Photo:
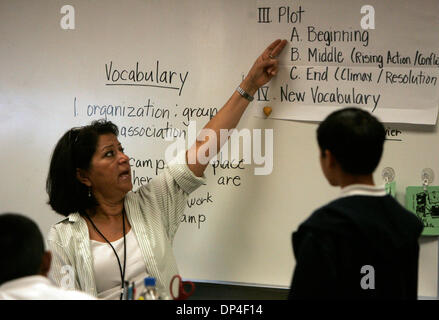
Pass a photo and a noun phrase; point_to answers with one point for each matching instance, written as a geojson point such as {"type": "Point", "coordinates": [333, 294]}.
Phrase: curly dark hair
{"type": "Point", "coordinates": [74, 150]}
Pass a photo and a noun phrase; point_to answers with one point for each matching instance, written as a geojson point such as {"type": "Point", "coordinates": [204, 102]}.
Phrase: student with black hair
{"type": "Point", "coordinates": [363, 245]}
{"type": "Point", "coordinates": [25, 263]}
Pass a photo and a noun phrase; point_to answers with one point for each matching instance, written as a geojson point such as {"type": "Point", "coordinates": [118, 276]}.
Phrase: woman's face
{"type": "Point", "coordinates": [110, 172]}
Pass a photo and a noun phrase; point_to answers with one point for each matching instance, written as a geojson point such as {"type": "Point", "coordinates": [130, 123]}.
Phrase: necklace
{"type": "Point", "coordinates": [122, 273]}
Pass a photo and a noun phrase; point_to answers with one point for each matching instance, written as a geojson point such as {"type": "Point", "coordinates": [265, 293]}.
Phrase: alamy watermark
{"type": "Point", "coordinates": [67, 21]}
{"type": "Point", "coordinates": [368, 280]}
{"type": "Point", "coordinates": [256, 147]}
{"type": "Point", "coordinates": [68, 280]}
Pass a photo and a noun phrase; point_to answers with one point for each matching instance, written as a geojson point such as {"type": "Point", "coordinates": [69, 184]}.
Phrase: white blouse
{"type": "Point", "coordinates": [106, 267]}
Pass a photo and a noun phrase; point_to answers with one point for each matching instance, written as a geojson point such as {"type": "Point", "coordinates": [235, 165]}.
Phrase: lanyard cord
{"type": "Point", "coordinates": [122, 274]}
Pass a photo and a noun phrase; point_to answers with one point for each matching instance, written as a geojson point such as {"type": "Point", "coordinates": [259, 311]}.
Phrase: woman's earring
{"type": "Point", "coordinates": [89, 192]}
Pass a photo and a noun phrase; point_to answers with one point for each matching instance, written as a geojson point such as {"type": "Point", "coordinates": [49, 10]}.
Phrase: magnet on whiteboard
{"type": "Point", "coordinates": [267, 111]}
{"type": "Point", "coordinates": [388, 174]}
{"type": "Point", "coordinates": [427, 177]}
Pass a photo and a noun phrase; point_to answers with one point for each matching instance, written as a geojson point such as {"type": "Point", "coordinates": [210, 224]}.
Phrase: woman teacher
{"type": "Point", "coordinates": [111, 235]}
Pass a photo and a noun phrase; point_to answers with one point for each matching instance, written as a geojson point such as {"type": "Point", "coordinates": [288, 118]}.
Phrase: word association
{"type": "Point", "coordinates": [155, 77]}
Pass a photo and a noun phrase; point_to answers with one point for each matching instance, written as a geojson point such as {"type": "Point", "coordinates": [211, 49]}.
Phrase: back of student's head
{"type": "Point", "coordinates": [21, 247]}
{"type": "Point", "coordinates": [355, 138]}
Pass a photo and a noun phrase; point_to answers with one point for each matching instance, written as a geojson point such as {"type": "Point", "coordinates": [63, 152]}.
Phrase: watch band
{"type": "Point", "coordinates": [244, 94]}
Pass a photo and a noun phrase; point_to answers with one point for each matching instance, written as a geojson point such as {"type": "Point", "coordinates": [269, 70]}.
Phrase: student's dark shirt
{"type": "Point", "coordinates": [333, 245]}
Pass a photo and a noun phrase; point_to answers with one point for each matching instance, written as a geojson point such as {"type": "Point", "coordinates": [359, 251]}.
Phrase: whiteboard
{"type": "Point", "coordinates": [53, 79]}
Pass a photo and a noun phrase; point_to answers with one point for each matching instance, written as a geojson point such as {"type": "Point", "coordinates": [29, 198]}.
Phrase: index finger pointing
{"type": "Point", "coordinates": [278, 47]}
{"type": "Point", "coordinates": [267, 52]}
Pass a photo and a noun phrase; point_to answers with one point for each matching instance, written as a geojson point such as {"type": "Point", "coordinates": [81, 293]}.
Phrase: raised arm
{"type": "Point", "coordinates": [262, 71]}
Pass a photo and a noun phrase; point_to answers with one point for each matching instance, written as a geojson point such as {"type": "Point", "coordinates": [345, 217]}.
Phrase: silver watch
{"type": "Point", "coordinates": [244, 94]}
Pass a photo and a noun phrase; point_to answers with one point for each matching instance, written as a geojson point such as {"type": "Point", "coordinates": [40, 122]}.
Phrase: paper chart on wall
{"type": "Point", "coordinates": [377, 58]}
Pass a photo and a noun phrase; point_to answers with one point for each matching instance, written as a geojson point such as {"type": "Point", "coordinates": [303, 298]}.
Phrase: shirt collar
{"type": "Point", "coordinates": [363, 190]}
{"type": "Point", "coordinates": [74, 217]}
{"type": "Point", "coordinates": [25, 282]}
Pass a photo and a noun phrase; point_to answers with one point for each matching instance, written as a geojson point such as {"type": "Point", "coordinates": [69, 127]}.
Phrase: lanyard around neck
{"type": "Point", "coordinates": [122, 272]}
